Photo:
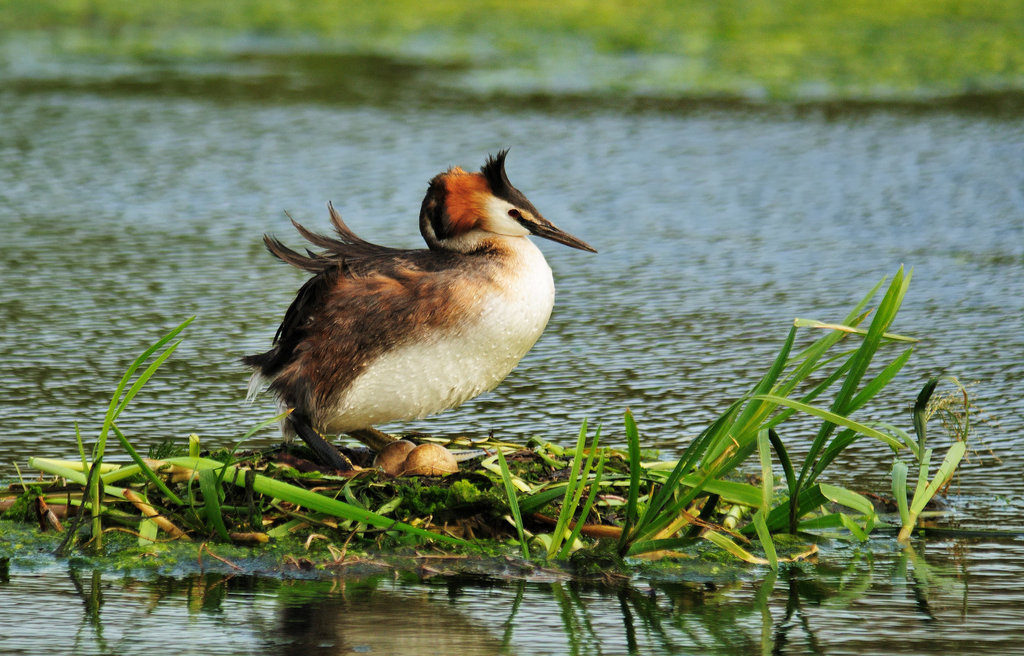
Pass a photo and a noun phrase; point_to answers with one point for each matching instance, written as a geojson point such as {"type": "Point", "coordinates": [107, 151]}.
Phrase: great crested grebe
{"type": "Point", "coordinates": [384, 334]}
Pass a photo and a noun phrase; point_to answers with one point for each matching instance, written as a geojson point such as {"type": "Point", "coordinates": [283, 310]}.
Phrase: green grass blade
{"type": "Point", "coordinates": [693, 452]}
{"type": "Point", "coordinates": [855, 529]}
{"type": "Point", "coordinates": [144, 468]}
{"type": "Point", "coordinates": [811, 323]}
{"type": "Point", "coordinates": [263, 424]}
{"type": "Point", "coordinates": [810, 355]}
{"type": "Point", "coordinates": [594, 487]}
{"type": "Point", "coordinates": [809, 499]}
{"type": "Point", "coordinates": [633, 496]}
{"type": "Point", "coordinates": [57, 468]}
{"type": "Point", "coordinates": [142, 379]}
{"type": "Point", "coordinates": [834, 418]}
{"type": "Point", "coordinates": [311, 500]}
{"type": "Point", "coordinates": [742, 436]}
{"type": "Point", "coordinates": [81, 448]}
{"type": "Point", "coordinates": [787, 464]}
{"type": "Point", "coordinates": [752, 414]}
{"type": "Point", "coordinates": [835, 447]}
{"type": "Point", "coordinates": [730, 491]}
{"type": "Point", "coordinates": [116, 406]}
{"type": "Point", "coordinates": [767, 543]}
{"type": "Point", "coordinates": [848, 498]}
{"type": "Point", "coordinates": [767, 478]}
{"type": "Point", "coordinates": [148, 530]}
{"type": "Point", "coordinates": [910, 443]}
{"type": "Point", "coordinates": [921, 411]}
{"type": "Point", "coordinates": [568, 507]}
{"type": "Point", "coordinates": [536, 501]}
{"type": "Point", "coordinates": [513, 504]}
{"type": "Point", "coordinates": [922, 478]}
{"type": "Point", "coordinates": [814, 393]}
{"type": "Point", "coordinates": [899, 489]}
{"type": "Point", "coordinates": [859, 361]}
{"type": "Point", "coordinates": [942, 476]}
{"type": "Point", "coordinates": [924, 492]}
{"type": "Point", "coordinates": [209, 485]}
{"type": "Point", "coordinates": [733, 548]}
{"type": "Point", "coordinates": [876, 384]}
{"type": "Point", "coordinates": [668, 512]}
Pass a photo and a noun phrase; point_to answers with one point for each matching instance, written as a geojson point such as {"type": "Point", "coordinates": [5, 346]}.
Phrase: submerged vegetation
{"type": "Point", "coordinates": [586, 504]}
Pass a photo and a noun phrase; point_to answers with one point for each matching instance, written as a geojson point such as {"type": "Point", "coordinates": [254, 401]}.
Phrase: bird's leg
{"type": "Point", "coordinates": [372, 438]}
{"type": "Point", "coordinates": [326, 453]}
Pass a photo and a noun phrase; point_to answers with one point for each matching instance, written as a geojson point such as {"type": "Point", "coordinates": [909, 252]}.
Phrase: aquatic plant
{"type": "Point", "coordinates": [601, 499]}
{"type": "Point", "coordinates": [700, 478]}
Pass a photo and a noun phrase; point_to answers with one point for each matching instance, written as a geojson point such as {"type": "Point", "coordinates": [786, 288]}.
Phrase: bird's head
{"type": "Point", "coordinates": [464, 211]}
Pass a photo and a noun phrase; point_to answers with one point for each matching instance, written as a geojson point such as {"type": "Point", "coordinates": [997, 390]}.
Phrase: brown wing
{"type": "Point", "coordinates": [362, 300]}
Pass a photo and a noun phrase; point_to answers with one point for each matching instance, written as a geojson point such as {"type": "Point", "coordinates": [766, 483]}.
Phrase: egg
{"type": "Point", "coordinates": [430, 460]}
{"type": "Point", "coordinates": [392, 457]}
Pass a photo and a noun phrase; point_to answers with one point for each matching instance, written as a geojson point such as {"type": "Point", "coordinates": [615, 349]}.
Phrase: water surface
{"type": "Point", "coordinates": [960, 596]}
{"type": "Point", "coordinates": [132, 199]}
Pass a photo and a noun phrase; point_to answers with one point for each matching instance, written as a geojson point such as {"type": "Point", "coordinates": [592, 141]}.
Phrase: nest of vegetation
{"type": "Point", "coordinates": [543, 501]}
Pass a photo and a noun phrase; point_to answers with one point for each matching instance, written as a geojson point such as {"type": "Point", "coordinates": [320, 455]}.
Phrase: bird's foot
{"type": "Point", "coordinates": [373, 438]}
{"type": "Point", "coordinates": [325, 452]}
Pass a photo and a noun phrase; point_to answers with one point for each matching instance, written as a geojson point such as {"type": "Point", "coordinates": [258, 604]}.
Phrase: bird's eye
{"type": "Point", "coordinates": [515, 214]}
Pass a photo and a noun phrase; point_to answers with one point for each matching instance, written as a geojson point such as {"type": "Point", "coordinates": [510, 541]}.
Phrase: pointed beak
{"type": "Point", "coordinates": [544, 228]}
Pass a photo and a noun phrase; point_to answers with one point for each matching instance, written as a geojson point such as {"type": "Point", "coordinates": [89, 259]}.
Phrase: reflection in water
{"type": "Point", "coordinates": [359, 617]}
{"type": "Point", "coordinates": [859, 602]}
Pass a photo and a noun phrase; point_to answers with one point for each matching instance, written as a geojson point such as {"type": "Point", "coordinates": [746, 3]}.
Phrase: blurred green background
{"type": "Point", "coordinates": [874, 50]}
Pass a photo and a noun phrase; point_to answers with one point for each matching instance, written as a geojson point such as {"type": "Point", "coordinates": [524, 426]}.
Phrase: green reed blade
{"type": "Point", "coordinates": [148, 531]}
{"type": "Point", "coordinates": [594, 487]}
{"type": "Point", "coordinates": [117, 405]}
{"type": "Point", "coordinates": [646, 546]}
{"type": "Point", "coordinates": [633, 497]}
{"type": "Point", "coordinates": [209, 485]}
{"type": "Point", "coordinates": [736, 550]}
{"type": "Point", "coordinates": [838, 444]}
{"type": "Point", "coordinates": [59, 468]}
{"type": "Point", "coordinates": [310, 500]}
{"type": "Point", "coordinates": [814, 393]}
{"type": "Point", "coordinates": [765, 537]}
{"type": "Point", "coordinates": [654, 511]}
{"type": "Point", "coordinates": [853, 527]}
{"type": "Point", "coordinates": [783, 455]}
{"type": "Point", "coordinates": [755, 411]}
{"type": "Point", "coordinates": [535, 501]}
{"type": "Point", "coordinates": [859, 361]}
{"type": "Point", "coordinates": [899, 489]}
{"type": "Point", "coordinates": [875, 385]}
{"type": "Point", "coordinates": [767, 478]}
{"type": "Point", "coordinates": [922, 478]}
{"type": "Point", "coordinates": [811, 323]}
{"type": "Point", "coordinates": [834, 418]}
{"type": "Point", "coordinates": [143, 467]}
{"type": "Point", "coordinates": [513, 504]}
{"type": "Point", "coordinates": [942, 476]}
{"type": "Point", "coordinates": [568, 507]}
{"type": "Point", "coordinates": [810, 498]}
{"type": "Point", "coordinates": [925, 490]}
{"type": "Point", "coordinates": [920, 414]}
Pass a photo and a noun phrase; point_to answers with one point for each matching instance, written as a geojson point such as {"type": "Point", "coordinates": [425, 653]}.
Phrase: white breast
{"type": "Point", "coordinates": [442, 369]}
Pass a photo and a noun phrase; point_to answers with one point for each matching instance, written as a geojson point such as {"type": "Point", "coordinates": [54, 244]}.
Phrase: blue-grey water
{"type": "Point", "coordinates": [133, 197]}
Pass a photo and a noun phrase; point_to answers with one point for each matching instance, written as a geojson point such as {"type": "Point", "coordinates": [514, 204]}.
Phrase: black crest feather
{"type": "Point", "coordinates": [494, 171]}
